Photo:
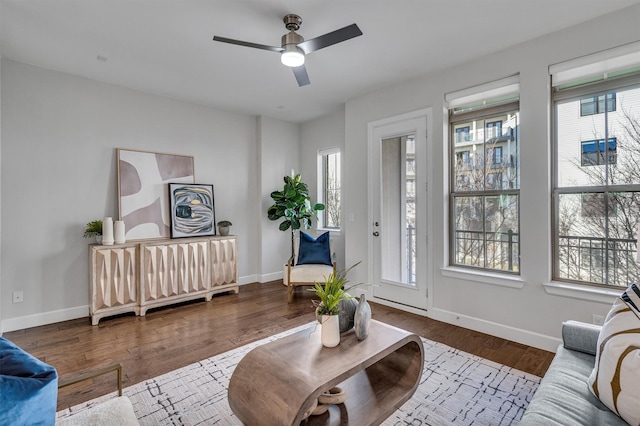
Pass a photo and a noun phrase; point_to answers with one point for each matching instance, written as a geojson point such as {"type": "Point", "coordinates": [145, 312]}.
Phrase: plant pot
{"type": "Point", "coordinates": [99, 239]}
{"type": "Point", "coordinates": [330, 333]}
{"type": "Point", "coordinates": [224, 230]}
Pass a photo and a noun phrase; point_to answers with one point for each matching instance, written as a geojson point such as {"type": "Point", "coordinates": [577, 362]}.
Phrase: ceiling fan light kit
{"type": "Point", "coordinates": [294, 47]}
{"type": "Point", "coordinates": [292, 56]}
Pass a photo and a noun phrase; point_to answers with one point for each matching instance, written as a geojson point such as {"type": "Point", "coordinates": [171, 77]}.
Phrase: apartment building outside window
{"type": "Point", "coordinates": [596, 196]}
{"type": "Point", "coordinates": [329, 177]}
{"type": "Point", "coordinates": [485, 180]}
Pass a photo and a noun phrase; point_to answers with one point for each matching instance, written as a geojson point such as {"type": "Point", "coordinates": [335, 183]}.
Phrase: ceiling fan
{"type": "Point", "coordinates": [294, 46]}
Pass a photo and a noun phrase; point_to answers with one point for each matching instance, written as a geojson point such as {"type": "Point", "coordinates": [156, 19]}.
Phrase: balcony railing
{"type": "Point", "coordinates": [589, 259]}
{"type": "Point", "coordinates": [598, 260]}
{"type": "Point", "coordinates": [492, 250]}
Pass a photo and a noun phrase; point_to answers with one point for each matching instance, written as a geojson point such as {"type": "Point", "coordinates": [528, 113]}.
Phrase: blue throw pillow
{"type": "Point", "coordinates": [314, 250]}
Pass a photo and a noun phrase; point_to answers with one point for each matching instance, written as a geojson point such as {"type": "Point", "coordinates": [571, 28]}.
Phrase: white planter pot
{"type": "Point", "coordinates": [330, 333]}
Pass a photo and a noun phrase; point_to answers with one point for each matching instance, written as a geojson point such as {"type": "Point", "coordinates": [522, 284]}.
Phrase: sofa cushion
{"type": "Point", "coordinates": [28, 388]}
{"type": "Point", "coordinates": [616, 374]}
{"type": "Point", "coordinates": [314, 250]}
{"type": "Point", "coordinates": [310, 273]}
{"type": "Point", "coordinates": [563, 397]}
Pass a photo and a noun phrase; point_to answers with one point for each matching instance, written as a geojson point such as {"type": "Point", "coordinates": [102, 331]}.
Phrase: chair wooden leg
{"type": "Point", "coordinates": [289, 293]}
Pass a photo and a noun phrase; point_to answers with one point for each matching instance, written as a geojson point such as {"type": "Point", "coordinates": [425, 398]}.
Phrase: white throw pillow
{"type": "Point", "coordinates": [616, 375]}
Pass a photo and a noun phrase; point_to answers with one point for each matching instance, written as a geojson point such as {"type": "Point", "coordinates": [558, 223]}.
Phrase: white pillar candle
{"type": "Point", "coordinates": [118, 231]}
{"type": "Point", "coordinates": [107, 231]}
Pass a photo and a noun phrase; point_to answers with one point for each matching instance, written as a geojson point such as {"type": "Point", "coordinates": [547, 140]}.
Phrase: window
{"type": "Point", "coordinates": [329, 188]}
{"type": "Point", "coordinates": [497, 155]}
{"type": "Point", "coordinates": [494, 129]}
{"type": "Point", "coordinates": [594, 154]}
{"type": "Point", "coordinates": [485, 182]}
{"type": "Point", "coordinates": [462, 134]}
{"type": "Point", "coordinates": [595, 104]}
{"type": "Point", "coordinates": [596, 200]}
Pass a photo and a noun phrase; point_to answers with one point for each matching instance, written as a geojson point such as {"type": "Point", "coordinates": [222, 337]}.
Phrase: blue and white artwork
{"type": "Point", "coordinates": [192, 210]}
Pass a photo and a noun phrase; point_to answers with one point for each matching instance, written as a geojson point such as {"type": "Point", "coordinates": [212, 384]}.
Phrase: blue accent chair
{"type": "Point", "coordinates": [28, 388]}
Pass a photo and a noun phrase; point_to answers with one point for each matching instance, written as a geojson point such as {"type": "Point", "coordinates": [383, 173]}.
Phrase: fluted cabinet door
{"type": "Point", "coordinates": [114, 280]}
{"type": "Point", "coordinates": [224, 263]}
{"type": "Point", "coordinates": [174, 269]}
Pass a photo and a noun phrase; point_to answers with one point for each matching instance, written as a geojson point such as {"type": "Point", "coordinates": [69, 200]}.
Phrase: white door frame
{"type": "Point", "coordinates": [424, 205]}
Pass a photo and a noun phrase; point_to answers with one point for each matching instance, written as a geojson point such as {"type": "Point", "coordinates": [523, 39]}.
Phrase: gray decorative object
{"type": "Point", "coordinates": [347, 314]}
{"type": "Point", "coordinates": [362, 318]}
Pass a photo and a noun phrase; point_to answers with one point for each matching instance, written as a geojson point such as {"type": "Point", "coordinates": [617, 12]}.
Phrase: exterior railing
{"type": "Point", "coordinates": [411, 254]}
{"type": "Point", "coordinates": [492, 250]}
{"type": "Point", "coordinates": [598, 260]}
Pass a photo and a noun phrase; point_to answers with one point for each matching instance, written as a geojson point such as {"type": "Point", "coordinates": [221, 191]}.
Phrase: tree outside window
{"type": "Point", "coordinates": [330, 176]}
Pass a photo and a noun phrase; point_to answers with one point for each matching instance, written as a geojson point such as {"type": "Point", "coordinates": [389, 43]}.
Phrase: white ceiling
{"type": "Point", "coordinates": [165, 46]}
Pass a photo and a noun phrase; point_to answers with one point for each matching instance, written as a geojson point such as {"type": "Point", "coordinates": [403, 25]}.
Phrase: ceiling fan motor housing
{"type": "Point", "coordinates": [291, 38]}
{"type": "Point", "coordinates": [292, 22]}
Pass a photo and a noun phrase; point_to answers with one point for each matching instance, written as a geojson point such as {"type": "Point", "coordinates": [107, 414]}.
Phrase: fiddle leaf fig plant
{"type": "Point", "coordinates": [293, 206]}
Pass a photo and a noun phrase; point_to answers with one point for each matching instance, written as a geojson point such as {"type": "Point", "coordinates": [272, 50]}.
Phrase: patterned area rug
{"type": "Point", "coordinates": [456, 388]}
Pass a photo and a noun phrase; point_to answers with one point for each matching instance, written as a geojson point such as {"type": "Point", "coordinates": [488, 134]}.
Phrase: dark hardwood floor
{"type": "Point", "coordinates": [172, 337]}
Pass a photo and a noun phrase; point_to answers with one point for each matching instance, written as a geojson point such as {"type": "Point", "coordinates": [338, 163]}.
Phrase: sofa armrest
{"type": "Point", "coordinates": [580, 336]}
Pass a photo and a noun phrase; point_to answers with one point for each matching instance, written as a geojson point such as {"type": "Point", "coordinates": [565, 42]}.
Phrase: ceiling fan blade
{"type": "Point", "coordinates": [248, 44]}
{"type": "Point", "coordinates": [301, 75]}
{"type": "Point", "coordinates": [331, 38]}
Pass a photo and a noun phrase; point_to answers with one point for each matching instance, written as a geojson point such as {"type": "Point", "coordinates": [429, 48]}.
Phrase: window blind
{"type": "Point", "coordinates": [484, 95]}
{"type": "Point", "coordinates": [611, 63]}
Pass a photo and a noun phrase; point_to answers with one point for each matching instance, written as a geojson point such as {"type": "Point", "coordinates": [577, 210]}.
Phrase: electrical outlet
{"type": "Point", "coordinates": [18, 296]}
{"type": "Point", "coordinates": [597, 319]}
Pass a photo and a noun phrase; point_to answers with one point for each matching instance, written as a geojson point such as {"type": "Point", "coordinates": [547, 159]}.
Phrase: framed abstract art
{"type": "Point", "coordinates": [192, 210]}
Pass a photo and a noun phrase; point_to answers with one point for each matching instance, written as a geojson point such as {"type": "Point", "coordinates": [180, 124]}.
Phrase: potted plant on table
{"type": "Point", "coordinates": [334, 298]}
{"type": "Point", "coordinates": [94, 229]}
{"type": "Point", "coordinates": [223, 227]}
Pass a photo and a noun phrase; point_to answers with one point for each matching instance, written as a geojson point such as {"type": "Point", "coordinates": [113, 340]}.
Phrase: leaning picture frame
{"type": "Point", "coordinates": [192, 210]}
{"type": "Point", "coordinates": [142, 190]}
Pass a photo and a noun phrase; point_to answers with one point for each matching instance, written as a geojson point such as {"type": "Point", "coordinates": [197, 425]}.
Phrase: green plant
{"type": "Point", "coordinates": [332, 291]}
{"type": "Point", "coordinates": [93, 229]}
{"type": "Point", "coordinates": [224, 223]}
{"type": "Point", "coordinates": [293, 205]}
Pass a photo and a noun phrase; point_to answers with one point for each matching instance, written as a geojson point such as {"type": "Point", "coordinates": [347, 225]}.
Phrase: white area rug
{"type": "Point", "coordinates": [456, 388]}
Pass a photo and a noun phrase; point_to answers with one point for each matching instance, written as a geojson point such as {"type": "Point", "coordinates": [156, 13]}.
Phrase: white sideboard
{"type": "Point", "coordinates": [137, 276]}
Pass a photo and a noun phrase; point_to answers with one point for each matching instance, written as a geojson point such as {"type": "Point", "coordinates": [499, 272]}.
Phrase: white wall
{"type": "Point", "coordinates": [521, 310]}
{"type": "Point", "coordinates": [1, 329]}
{"type": "Point", "coordinates": [322, 133]}
{"type": "Point", "coordinates": [279, 154]}
{"type": "Point", "coordinates": [58, 171]}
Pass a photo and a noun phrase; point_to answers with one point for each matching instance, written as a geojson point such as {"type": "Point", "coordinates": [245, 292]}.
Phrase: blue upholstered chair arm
{"type": "Point", "coordinates": [28, 388]}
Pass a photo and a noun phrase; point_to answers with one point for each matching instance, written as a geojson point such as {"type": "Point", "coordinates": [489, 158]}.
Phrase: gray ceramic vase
{"type": "Point", "coordinates": [347, 313]}
{"type": "Point", "coordinates": [362, 318]}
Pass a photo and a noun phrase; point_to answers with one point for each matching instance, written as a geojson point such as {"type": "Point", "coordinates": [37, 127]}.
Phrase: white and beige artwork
{"type": "Point", "coordinates": [143, 179]}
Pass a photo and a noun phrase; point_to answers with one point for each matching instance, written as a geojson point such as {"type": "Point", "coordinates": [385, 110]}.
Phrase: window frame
{"type": "Point", "coordinates": [561, 94]}
{"type": "Point", "coordinates": [470, 116]}
{"type": "Point", "coordinates": [323, 155]}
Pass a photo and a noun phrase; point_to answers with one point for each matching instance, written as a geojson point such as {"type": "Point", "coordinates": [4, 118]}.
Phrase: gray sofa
{"type": "Point", "coordinates": [563, 397]}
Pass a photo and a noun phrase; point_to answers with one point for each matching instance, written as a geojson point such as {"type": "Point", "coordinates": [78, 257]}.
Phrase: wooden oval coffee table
{"type": "Point", "coordinates": [276, 383]}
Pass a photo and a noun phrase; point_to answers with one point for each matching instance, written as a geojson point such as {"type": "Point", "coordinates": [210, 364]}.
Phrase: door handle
{"type": "Point", "coordinates": [375, 234]}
